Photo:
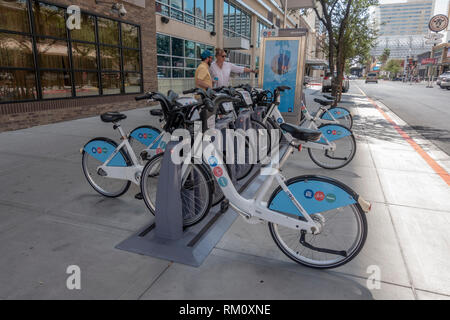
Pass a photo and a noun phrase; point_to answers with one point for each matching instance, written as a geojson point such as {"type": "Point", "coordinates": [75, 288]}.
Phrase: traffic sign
{"type": "Point", "coordinates": [438, 23]}
{"type": "Point", "coordinates": [433, 42]}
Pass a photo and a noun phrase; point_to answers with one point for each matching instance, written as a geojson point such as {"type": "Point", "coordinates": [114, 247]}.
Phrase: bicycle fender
{"type": "Point", "coordinates": [333, 132]}
{"type": "Point", "coordinates": [336, 112]}
{"type": "Point", "coordinates": [314, 195]}
{"type": "Point", "coordinates": [146, 136]}
{"type": "Point", "coordinates": [102, 149]}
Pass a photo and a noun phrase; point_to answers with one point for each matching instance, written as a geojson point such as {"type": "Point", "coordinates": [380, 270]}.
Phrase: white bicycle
{"type": "Point", "coordinates": [316, 221]}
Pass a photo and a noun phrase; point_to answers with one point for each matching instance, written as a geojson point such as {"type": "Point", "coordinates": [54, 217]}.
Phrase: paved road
{"type": "Point", "coordinates": [427, 110]}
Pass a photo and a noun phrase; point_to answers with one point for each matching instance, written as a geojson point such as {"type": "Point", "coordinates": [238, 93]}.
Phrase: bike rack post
{"type": "Point", "coordinates": [169, 213]}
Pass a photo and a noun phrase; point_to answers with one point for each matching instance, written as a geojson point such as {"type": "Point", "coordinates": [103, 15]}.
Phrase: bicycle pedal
{"type": "Point", "coordinates": [224, 205]}
{"type": "Point", "coordinates": [139, 196]}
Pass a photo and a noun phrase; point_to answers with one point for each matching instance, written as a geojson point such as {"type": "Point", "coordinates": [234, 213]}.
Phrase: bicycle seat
{"type": "Point", "coordinates": [112, 116]}
{"type": "Point", "coordinates": [301, 133]}
{"type": "Point", "coordinates": [156, 112]}
{"type": "Point", "coordinates": [327, 96]}
{"type": "Point", "coordinates": [324, 102]}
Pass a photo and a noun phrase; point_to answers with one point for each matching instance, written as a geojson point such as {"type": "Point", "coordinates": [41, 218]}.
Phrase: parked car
{"type": "Point", "coordinates": [327, 80]}
{"type": "Point", "coordinates": [445, 82]}
{"type": "Point", "coordinates": [372, 77]}
{"type": "Point", "coordinates": [439, 79]}
{"type": "Point", "coordinates": [353, 77]}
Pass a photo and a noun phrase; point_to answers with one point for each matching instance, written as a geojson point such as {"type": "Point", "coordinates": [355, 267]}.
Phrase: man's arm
{"type": "Point", "coordinates": [237, 69]}
{"type": "Point", "coordinates": [202, 84]}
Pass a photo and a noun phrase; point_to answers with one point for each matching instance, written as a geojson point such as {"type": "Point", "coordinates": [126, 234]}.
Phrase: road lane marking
{"type": "Point", "coordinates": [429, 160]}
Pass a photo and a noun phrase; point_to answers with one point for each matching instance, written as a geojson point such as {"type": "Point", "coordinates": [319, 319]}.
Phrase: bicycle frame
{"type": "Point", "coordinates": [256, 209]}
{"type": "Point", "coordinates": [131, 173]}
{"type": "Point", "coordinates": [275, 114]}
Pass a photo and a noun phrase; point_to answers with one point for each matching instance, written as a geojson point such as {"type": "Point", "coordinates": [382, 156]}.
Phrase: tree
{"type": "Point", "coordinates": [385, 56]}
{"type": "Point", "coordinates": [393, 66]}
{"type": "Point", "coordinates": [350, 34]}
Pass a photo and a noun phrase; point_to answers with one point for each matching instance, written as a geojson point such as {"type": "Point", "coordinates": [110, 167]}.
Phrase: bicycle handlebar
{"type": "Point", "coordinates": [144, 97]}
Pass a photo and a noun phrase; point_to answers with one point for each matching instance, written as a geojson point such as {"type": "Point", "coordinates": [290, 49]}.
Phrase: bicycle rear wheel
{"type": "Point", "coordinates": [196, 191]}
{"type": "Point", "coordinates": [342, 116]}
{"type": "Point", "coordinates": [140, 138]}
{"type": "Point", "coordinates": [95, 153]}
{"type": "Point", "coordinates": [344, 226]}
{"type": "Point", "coordinates": [341, 156]}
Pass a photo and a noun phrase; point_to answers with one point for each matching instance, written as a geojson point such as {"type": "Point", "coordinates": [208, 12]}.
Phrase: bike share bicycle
{"type": "Point", "coordinates": [316, 221]}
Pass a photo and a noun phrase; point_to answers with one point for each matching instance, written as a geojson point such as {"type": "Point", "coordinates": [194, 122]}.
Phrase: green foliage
{"type": "Point", "coordinates": [393, 66]}
{"type": "Point", "coordinates": [385, 56]}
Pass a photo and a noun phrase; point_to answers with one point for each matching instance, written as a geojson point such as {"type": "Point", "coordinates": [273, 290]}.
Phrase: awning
{"type": "Point", "coordinates": [298, 4]}
{"type": "Point", "coordinates": [320, 62]}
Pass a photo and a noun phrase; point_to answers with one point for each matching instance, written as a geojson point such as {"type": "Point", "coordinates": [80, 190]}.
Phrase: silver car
{"type": "Point", "coordinates": [445, 82]}
{"type": "Point", "coordinates": [445, 75]}
{"type": "Point", "coordinates": [327, 79]}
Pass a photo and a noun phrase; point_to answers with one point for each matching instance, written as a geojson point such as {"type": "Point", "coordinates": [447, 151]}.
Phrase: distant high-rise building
{"type": "Point", "coordinates": [408, 18]}
{"type": "Point", "coordinates": [403, 26]}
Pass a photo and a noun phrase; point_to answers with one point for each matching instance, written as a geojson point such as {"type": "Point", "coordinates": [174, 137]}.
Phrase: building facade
{"type": "Point", "coordinates": [50, 72]}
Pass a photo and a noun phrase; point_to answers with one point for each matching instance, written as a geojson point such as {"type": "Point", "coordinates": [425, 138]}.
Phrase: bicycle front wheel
{"type": "Point", "coordinates": [196, 191]}
{"type": "Point", "coordinates": [344, 228]}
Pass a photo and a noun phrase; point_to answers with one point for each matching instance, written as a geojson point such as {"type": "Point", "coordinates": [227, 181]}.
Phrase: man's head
{"type": "Point", "coordinates": [221, 55]}
{"type": "Point", "coordinates": [207, 57]}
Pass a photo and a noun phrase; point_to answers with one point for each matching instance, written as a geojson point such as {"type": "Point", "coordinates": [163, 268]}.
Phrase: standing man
{"type": "Point", "coordinates": [221, 70]}
{"type": "Point", "coordinates": [202, 76]}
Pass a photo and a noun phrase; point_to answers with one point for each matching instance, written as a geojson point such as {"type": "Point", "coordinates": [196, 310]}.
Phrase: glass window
{"type": "Point", "coordinates": [226, 15]}
{"type": "Point", "coordinates": [14, 16]}
{"type": "Point", "coordinates": [110, 58]}
{"type": "Point", "coordinates": [178, 62]}
{"type": "Point", "coordinates": [17, 85]}
{"type": "Point", "coordinates": [177, 73]}
{"type": "Point", "coordinates": [86, 84]}
{"type": "Point", "coordinates": [49, 20]}
{"type": "Point", "coordinates": [189, 49]}
{"type": "Point", "coordinates": [189, 6]}
{"type": "Point", "coordinates": [52, 54]}
{"type": "Point", "coordinates": [163, 44]}
{"type": "Point", "coordinates": [108, 31]}
{"type": "Point", "coordinates": [209, 10]}
{"type": "Point", "coordinates": [190, 73]}
{"type": "Point", "coordinates": [133, 82]}
{"type": "Point", "coordinates": [87, 31]}
{"type": "Point", "coordinates": [191, 63]}
{"type": "Point", "coordinates": [56, 85]}
{"type": "Point", "coordinates": [200, 8]}
{"type": "Point", "coordinates": [16, 51]}
{"type": "Point", "coordinates": [131, 60]}
{"type": "Point", "coordinates": [111, 83]}
{"type": "Point", "coordinates": [176, 14]}
{"type": "Point", "coordinates": [164, 73]}
{"type": "Point", "coordinates": [130, 37]}
{"type": "Point", "coordinates": [84, 56]}
{"type": "Point", "coordinates": [164, 61]}
{"type": "Point", "coordinates": [67, 65]}
{"type": "Point", "coordinates": [177, 47]}
{"type": "Point", "coordinates": [177, 4]}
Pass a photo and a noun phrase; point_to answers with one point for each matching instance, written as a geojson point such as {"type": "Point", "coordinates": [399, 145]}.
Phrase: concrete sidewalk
{"type": "Point", "coordinates": [51, 218]}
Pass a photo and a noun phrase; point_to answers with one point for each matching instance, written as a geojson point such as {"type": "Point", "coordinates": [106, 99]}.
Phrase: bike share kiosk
{"type": "Point", "coordinates": [282, 63]}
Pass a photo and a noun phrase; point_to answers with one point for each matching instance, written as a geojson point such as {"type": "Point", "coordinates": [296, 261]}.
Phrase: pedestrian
{"type": "Point", "coordinates": [202, 76]}
{"type": "Point", "coordinates": [221, 70]}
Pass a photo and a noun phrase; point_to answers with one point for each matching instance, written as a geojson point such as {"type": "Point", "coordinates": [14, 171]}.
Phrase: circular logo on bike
{"type": "Point", "coordinates": [218, 172]}
{"type": "Point", "coordinates": [145, 136]}
{"type": "Point", "coordinates": [334, 132]}
{"type": "Point", "coordinates": [99, 150]}
{"type": "Point", "coordinates": [308, 194]}
{"type": "Point", "coordinates": [212, 161]}
{"type": "Point", "coordinates": [319, 196]}
{"type": "Point", "coordinates": [159, 150]}
{"type": "Point", "coordinates": [94, 150]}
{"type": "Point", "coordinates": [330, 198]}
{"type": "Point", "coordinates": [280, 120]}
{"type": "Point", "coordinates": [329, 131]}
{"type": "Point", "coordinates": [105, 150]}
{"type": "Point", "coordinates": [140, 135]}
{"type": "Point", "coordinates": [223, 182]}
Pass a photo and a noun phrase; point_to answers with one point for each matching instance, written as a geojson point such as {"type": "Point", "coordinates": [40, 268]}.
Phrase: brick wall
{"type": "Point", "coordinates": [21, 115]}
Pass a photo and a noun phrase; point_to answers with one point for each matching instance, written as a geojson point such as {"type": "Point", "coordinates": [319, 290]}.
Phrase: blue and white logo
{"type": "Point", "coordinates": [308, 194]}
{"type": "Point", "coordinates": [212, 161]}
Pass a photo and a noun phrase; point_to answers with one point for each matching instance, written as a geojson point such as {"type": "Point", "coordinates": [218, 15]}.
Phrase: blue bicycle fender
{"type": "Point", "coordinates": [102, 150]}
{"type": "Point", "coordinates": [146, 136]}
{"type": "Point", "coordinates": [333, 132]}
{"type": "Point", "coordinates": [314, 197]}
{"type": "Point", "coordinates": [336, 112]}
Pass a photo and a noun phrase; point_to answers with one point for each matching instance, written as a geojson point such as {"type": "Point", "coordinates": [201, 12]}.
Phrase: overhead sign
{"type": "Point", "coordinates": [428, 61]}
{"type": "Point", "coordinates": [438, 23]}
{"type": "Point", "coordinates": [433, 36]}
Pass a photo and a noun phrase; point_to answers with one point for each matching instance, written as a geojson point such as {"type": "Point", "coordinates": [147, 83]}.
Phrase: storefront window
{"type": "Point", "coordinates": [194, 12]}
{"type": "Point", "coordinates": [68, 63]}
{"type": "Point", "coordinates": [178, 58]}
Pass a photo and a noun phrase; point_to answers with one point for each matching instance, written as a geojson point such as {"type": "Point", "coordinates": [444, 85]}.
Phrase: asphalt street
{"type": "Point", "coordinates": [426, 110]}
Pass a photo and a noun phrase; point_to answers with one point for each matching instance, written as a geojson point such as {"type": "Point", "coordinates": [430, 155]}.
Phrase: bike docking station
{"type": "Point", "coordinates": [165, 237]}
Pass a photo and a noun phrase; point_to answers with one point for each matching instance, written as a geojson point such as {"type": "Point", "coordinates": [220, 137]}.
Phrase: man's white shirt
{"type": "Point", "coordinates": [223, 74]}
